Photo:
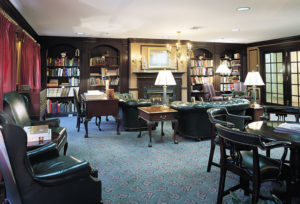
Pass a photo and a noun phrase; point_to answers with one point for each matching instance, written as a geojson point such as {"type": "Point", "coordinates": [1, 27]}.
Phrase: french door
{"type": "Point", "coordinates": [282, 77]}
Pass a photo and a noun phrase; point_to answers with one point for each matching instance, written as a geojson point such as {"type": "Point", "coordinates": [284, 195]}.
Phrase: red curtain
{"type": "Point", "coordinates": [30, 63]}
{"type": "Point", "coordinates": [8, 57]}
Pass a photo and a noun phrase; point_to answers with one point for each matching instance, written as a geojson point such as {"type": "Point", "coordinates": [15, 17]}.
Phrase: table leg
{"type": "Point", "coordinates": [86, 127]}
{"type": "Point", "coordinates": [99, 123]}
{"type": "Point", "coordinates": [149, 125]}
{"type": "Point", "coordinates": [140, 126]}
{"type": "Point", "coordinates": [175, 125]}
{"type": "Point", "coordinates": [118, 124]}
{"type": "Point", "coordinates": [162, 128]}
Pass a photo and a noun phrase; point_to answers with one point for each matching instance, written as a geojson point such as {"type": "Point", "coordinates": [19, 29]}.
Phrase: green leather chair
{"type": "Point", "coordinates": [16, 108]}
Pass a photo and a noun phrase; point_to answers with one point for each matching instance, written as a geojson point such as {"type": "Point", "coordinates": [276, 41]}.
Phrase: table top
{"type": "Point", "coordinates": [266, 130]}
{"type": "Point", "coordinates": [157, 109]}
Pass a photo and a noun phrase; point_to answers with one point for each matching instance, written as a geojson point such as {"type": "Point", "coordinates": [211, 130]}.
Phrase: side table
{"type": "Point", "coordinates": [255, 113]}
{"type": "Point", "coordinates": [154, 114]}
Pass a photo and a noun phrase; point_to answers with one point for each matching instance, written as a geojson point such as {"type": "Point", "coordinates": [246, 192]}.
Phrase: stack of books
{"type": "Point", "coordinates": [292, 128]}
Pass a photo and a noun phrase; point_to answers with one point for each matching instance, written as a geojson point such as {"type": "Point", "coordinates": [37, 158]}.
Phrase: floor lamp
{"type": "Point", "coordinates": [254, 79]}
{"type": "Point", "coordinates": [165, 78]}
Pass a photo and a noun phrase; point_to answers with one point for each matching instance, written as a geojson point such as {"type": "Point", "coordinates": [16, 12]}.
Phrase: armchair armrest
{"type": "Point", "coordinates": [275, 144]}
{"type": "Point", "coordinates": [60, 170]}
{"type": "Point", "coordinates": [224, 123]}
{"type": "Point", "coordinates": [51, 122]}
{"type": "Point", "coordinates": [45, 152]}
{"type": "Point", "coordinates": [243, 117]}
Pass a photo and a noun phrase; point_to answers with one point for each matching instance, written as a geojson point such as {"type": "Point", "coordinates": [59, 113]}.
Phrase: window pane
{"type": "Point", "coordinates": [294, 101]}
{"type": "Point", "coordinates": [280, 99]}
{"type": "Point", "coordinates": [274, 98]}
{"type": "Point", "coordinates": [268, 69]}
{"type": "Point", "coordinates": [268, 98]}
{"type": "Point", "coordinates": [294, 89]}
{"type": "Point", "coordinates": [298, 55]}
{"type": "Point", "coordinates": [280, 88]}
{"type": "Point", "coordinates": [298, 67]}
{"type": "Point", "coordinates": [274, 78]}
{"type": "Point", "coordinates": [273, 67]}
{"type": "Point", "coordinates": [268, 87]}
{"type": "Point", "coordinates": [279, 57]}
{"type": "Point", "coordinates": [294, 79]}
{"type": "Point", "coordinates": [274, 88]}
{"type": "Point", "coordinates": [267, 58]}
{"type": "Point", "coordinates": [273, 57]}
{"type": "Point", "coordinates": [279, 78]}
{"type": "Point", "coordinates": [293, 56]}
{"type": "Point", "coordinates": [294, 67]}
{"type": "Point", "coordinates": [268, 77]}
{"type": "Point", "coordinates": [279, 67]}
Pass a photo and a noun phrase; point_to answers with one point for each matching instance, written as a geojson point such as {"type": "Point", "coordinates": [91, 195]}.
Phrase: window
{"type": "Point", "coordinates": [295, 77]}
{"type": "Point", "coordinates": [274, 78]}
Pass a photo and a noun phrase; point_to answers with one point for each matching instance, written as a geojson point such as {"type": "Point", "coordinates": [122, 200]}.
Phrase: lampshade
{"type": "Point", "coordinates": [254, 79]}
{"type": "Point", "coordinates": [165, 77]}
{"type": "Point", "coordinates": [223, 69]}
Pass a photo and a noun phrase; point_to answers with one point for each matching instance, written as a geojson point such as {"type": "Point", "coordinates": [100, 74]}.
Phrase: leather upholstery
{"type": "Point", "coordinates": [60, 180]}
{"type": "Point", "coordinates": [193, 118]}
{"type": "Point", "coordinates": [15, 107]}
{"type": "Point", "coordinates": [129, 111]}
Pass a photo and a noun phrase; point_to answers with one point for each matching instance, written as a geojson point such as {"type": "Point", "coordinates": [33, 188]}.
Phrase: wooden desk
{"type": "Point", "coordinates": [154, 114]}
{"type": "Point", "coordinates": [98, 108]}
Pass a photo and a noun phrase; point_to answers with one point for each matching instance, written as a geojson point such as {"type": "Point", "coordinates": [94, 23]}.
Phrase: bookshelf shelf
{"type": "Point", "coordinates": [63, 75]}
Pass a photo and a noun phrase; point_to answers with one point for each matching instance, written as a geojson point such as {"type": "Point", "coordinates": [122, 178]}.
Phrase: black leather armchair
{"type": "Point", "coordinates": [15, 107]}
{"type": "Point", "coordinates": [60, 180]}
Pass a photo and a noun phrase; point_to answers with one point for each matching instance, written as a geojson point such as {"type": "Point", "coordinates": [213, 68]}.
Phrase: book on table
{"type": "Point", "coordinates": [34, 133]}
{"type": "Point", "coordinates": [288, 128]}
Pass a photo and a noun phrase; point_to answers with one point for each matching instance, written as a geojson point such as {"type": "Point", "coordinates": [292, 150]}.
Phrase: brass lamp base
{"type": "Point", "coordinates": [254, 105]}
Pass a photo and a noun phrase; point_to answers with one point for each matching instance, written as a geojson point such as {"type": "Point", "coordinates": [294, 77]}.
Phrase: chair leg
{"type": "Point", "coordinates": [255, 193]}
{"type": "Point", "coordinates": [78, 123]}
{"type": "Point", "coordinates": [245, 186]}
{"type": "Point", "coordinates": [211, 155]}
{"type": "Point", "coordinates": [221, 185]}
{"type": "Point", "coordinates": [268, 153]}
{"type": "Point", "coordinates": [65, 148]}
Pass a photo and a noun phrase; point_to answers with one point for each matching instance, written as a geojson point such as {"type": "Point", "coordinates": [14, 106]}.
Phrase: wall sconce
{"type": "Point", "coordinates": [136, 60]}
{"type": "Point", "coordinates": [188, 50]}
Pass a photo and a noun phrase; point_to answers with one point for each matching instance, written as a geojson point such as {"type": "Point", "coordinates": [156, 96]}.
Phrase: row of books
{"type": "Point", "coordinates": [202, 80]}
{"type": "Point", "coordinates": [201, 71]}
{"type": "Point", "coordinates": [58, 107]}
{"type": "Point", "coordinates": [94, 61]}
{"type": "Point", "coordinates": [61, 92]}
{"type": "Point", "coordinates": [202, 63]}
{"type": "Point", "coordinates": [63, 61]}
{"type": "Point", "coordinates": [229, 79]}
{"type": "Point", "coordinates": [73, 81]}
{"type": "Point", "coordinates": [226, 87]}
{"type": "Point", "coordinates": [107, 72]}
{"type": "Point", "coordinates": [59, 72]}
{"type": "Point", "coordinates": [100, 81]}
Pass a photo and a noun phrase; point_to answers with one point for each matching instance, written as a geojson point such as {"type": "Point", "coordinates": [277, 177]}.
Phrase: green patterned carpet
{"type": "Point", "coordinates": [133, 173]}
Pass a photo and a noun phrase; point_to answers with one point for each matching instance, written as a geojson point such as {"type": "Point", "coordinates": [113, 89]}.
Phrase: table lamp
{"type": "Point", "coordinates": [223, 69]}
{"type": "Point", "coordinates": [254, 79]}
{"type": "Point", "coordinates": [165, 78]}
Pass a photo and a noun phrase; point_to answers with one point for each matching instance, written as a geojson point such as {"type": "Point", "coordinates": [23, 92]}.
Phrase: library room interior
{"type": "Point", "coordinates": [163, 102]}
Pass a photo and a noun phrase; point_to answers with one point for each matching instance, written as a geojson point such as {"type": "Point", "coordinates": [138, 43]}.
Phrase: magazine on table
{"type": "Point", "coordinates": [34, 133]}
{"type": "Point", "coordinates": [288, 128]}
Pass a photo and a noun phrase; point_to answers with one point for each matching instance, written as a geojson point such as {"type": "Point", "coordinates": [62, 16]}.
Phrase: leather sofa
{"type": "Point", "coordinates": [129, 111]}
{"type": "Point", "coordinates": [193, 119]}
{"type": "Point", "coordinates": [15, 106]}
{"type": "Point", "coordinates": [58, 180]}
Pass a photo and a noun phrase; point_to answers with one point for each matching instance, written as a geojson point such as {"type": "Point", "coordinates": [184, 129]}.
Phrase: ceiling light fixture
{"type": "Point", "coordinates": [243, 9]}
{"type": "Point", "coordinates": [196, 28]}
{"type": "Point", "coordinates": [235, 29]}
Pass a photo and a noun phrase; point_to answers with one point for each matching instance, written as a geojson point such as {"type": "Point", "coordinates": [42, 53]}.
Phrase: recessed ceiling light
{"type": "Point", "coordinates": [196, 28]}
{"type": "Point", "coordinates": [80, 33]}
{"type": "Point", "coordinates": [243, 9]}
{"type": "Point", "coordinates": [235, 29]}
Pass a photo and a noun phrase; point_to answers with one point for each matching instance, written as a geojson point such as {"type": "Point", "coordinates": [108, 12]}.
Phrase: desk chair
{"type": "Point", "coordinates": [245, 162]}
{"type": "Point", "coordinates": [210, 94]}
{"type": "Point", "coordinates": [221, 116]}
{"type": "Point", "coordinates": [79, 111]}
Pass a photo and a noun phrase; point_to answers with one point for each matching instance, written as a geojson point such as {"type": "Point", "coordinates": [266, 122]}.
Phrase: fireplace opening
{"type": "Point", "coordinates": [155, 94]}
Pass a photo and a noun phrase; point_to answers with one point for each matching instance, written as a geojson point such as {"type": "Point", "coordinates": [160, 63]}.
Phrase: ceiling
{"type": "Point", "coordinates": [161, 19]}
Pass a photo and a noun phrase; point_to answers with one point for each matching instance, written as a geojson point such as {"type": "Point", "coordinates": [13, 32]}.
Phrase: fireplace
{"type": "Point", "coordinates": [147, 89]}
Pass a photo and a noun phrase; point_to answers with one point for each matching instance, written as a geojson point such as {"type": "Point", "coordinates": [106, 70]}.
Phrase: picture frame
{"type": "Point", "coordinates": [158, 57]}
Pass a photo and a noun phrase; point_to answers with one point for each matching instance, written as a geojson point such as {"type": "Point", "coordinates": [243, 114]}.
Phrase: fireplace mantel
{"type": "Point", "coordinates": [147, 79]}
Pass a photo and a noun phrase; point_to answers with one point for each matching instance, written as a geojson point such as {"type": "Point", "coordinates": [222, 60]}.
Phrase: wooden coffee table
{"type": "Point", "coordinates": [154, 114]}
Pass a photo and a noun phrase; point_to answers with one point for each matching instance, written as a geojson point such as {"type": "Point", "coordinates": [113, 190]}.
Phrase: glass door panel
{"type": "Point", "coordinates": [274, 78]}
{"type": "Point", "coordinates": [295, 77]}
